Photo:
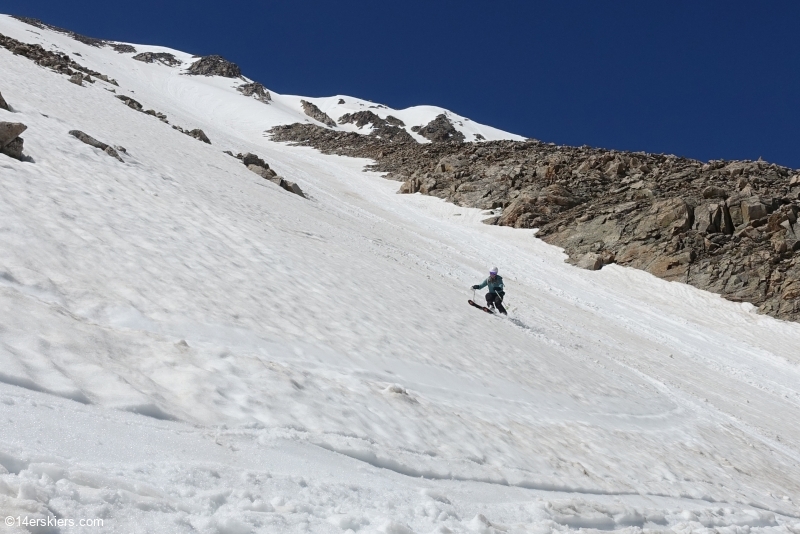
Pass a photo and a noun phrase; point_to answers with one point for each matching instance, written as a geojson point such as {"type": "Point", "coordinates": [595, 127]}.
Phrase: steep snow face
{"type": "Point", "coordinates": [187, 347]}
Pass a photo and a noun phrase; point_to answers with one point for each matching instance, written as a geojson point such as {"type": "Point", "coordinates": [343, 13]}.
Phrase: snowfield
{"type": "Point", "coordinates": [186, 347]}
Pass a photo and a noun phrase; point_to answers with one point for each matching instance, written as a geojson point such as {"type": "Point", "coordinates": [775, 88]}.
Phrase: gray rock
{"type": "Point", "coordinates": [13, 148]}
{"type": "Point", "coordinates": [753, 209]}
{"type": "Point", "coordinates": [215, 66]}
{"type": "Point", "coordinates": [164, 58]}
{"type": "Point", "coordinates": [197, 133]}
{"type": "Point", "coordinates": [10, 131]}
{"type": "Point", "coordinates": [3, 104]}
{"type": "Point", "coordinates": [317, 114]}
{"type": "Point", "coordinates": [130, 102]}
{"type": "Point", "coordinates": [251, 159]}
{"type": "Point", "coordinates": [91, 141]}
{"type": "Point", "coordinates": [256, 90]}
{"type": "Point", "coordinates": [264, 172]}
{"type": "Point", "coordinates": [123, 48]}
{"type": "Point", "coordinates": [77, 79]}
{"type": "Point", "coordinates": [713, 191]}
{"type": "Point", "coordinates": [440, 130]}
{"type": "Point", "coordinates": [590, 261]}
{"type": "Point", "coordinates": [292, 188]}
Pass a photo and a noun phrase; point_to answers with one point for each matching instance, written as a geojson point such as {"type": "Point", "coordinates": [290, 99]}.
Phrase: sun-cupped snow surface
{"type": "Point", "coordinates": [186, 347]}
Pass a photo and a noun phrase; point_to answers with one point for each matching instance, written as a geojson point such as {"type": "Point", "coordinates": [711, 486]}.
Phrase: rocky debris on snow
{"type": "Point", "coordinates": [3, 103]}
{"type": "Point", "coordinates": [56, 61]}
{"type": "Point", "coordinates": [388, 129]}
{"type": "Point", "coordinates": [136, 106]}
{"type": "Point", "coordinates": [123, 48]}
{"type": "Point", "coordinates": [91, 41]}
{"type": "Point", "coordinates": [317, 114]}
{"type": "Point", "coordinates": [214, 66]}
{"type": "Point", "coordinates": [164, 58]}
{"type": "Point", "coordinates": [260, 167]}
{"type": "Point", "coordinates": [11, 143]}
{"type": "Point", "coordinates": [79, 78]}
{"type": "Point", "coordinates": [439, 130]}
{"type": "Point", "coordinates": [394, 121]}
{"type": "Point", "coordinates": [157, 114]}
{"type": "Point", "coordinates": [91, 141]}
{"type": "Point", "coordinates": [197, 133]}
{"type": "Point", "coordinates": [724, 226]}
{"type": "Point", "coordinates": [256, 90]}
{"type": "Point", "coordinates": [341, 101]}
{"type": "Point", "coordinates": [130, 102]}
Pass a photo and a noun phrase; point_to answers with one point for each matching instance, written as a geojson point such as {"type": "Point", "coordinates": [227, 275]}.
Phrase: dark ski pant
{"type": "Point", "coordinates": [493, 299]}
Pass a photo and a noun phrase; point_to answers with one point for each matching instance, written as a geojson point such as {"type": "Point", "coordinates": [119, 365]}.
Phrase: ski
{"type": "Point", "coordinates": [484, 308]}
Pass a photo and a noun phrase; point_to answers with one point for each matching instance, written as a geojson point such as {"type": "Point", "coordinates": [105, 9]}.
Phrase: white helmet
{"type": "Point", "coordinates": [493, 270]}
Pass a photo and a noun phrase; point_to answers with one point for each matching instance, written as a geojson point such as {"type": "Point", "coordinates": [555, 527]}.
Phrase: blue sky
{"type": "Point", "coordinates": [704, 79]}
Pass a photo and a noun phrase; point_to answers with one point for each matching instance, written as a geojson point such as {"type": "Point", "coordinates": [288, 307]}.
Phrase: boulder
{"type": "Point", "coordinates": [590, 261]}
{"type": "Point", "coordinates": [251, 159]}
{"type": "Point", "coordinates": [713, 191]}
{"type": "Point", "coordinates": [13, 148]}
{"type": "Point", "coordinates": [197, 133]}
{"type": "Point", "coordinates": [708, 218]}
{"type": "Point", "coordinates": [3, 104]}
{"type": "Point", "coordinates": [91, 141]}
{"type": "Point", "coordinates": [214, 66]}
{"type": "Point", "coordinates": [753, 209]}
{"type": "Point", "coordinates": [451, 164]}
{"type": "Point", "coordinates": [77, 79]}
{"type": "Point", "coordinates": [10, 131]}
{"type": "Point", "coordinates": [264, 172]}
{"type": "Point", "coordinates": [292, 188]}
{"type": "Point", "coordinates": [130, 102]}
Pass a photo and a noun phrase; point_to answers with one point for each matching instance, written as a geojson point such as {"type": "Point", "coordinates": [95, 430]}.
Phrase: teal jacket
{"type": "Point", "coordinates": [495, 286]}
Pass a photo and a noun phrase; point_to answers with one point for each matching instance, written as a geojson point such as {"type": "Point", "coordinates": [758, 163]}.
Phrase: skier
{"type": "Point", "coordinates": [496, 293]}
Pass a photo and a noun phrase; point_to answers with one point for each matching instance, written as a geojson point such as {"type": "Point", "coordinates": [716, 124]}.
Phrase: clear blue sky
{"type": "Point", "coordinates": [704, 79]}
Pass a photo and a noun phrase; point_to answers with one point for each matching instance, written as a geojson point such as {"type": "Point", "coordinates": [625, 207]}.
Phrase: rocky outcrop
{"type": "Point", "coordinates": [730, 227]}
{"type": "Point", "coordinates": [3, 103]}
{"type": "Point", "coordinates": [388, 129]}
{"type": "Point", "coordinates": [11, 143]}
{"type": "Point", "coordinates": [440, 130]}
{"type": "Point", "coordinates": [130, 102]}
{"type": "Point", "coordinates": [123, 48]}
{"type": "Point", "coordinates": [197, 133]}
{"type": "Point", "coordinates": [91, 141]}
{"type": "Point", "coordinates": [214, 66]}
{"type": "Point", "coordinates": [158, 57]}
{"type": "Point", "coordinates": [260, 167]}
{"type": "Point", "coordinates": [56, 61]}
{"type": "Point", "coordinates": [317, 114]}
{"type": "Point", "coordinates": [256, 90]}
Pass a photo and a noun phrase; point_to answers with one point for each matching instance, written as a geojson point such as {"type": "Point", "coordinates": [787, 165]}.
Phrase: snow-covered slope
{"type": "Point", "coordinates": [185, 346]}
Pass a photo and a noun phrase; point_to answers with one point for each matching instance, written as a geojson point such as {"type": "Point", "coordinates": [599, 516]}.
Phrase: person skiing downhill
{"type": "Point", "coordinates": [496, 292]}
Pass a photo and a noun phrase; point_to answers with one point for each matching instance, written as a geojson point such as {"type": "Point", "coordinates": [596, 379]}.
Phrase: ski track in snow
{"type": "Point", "coordinates": [185, 347]}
